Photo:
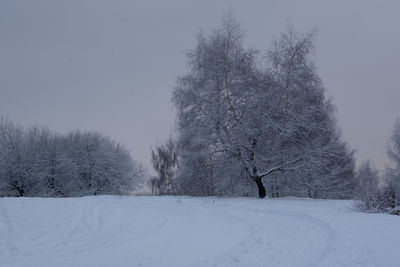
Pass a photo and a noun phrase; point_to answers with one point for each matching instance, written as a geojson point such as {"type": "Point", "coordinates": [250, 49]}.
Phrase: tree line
{"type": "Point", "coordinates": [38, 162]}
{"type": "Point", "coordinates": [248, 124]}
{"type": "Point", "coordinates": [380, 192]}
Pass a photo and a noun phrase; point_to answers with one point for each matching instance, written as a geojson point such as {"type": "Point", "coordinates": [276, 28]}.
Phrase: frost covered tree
{"type": "Point", "coordinates": [101, 166]}
{"type": "Point", "coordinates": [15, 178]}
{"type": "Point", "coordinates": [392, 191]}
{"type": "Point", "coordinates": [211, 103]}
{"type": "Point", "coordinates": [307, 123]}
{"type": "Point", "coordinates": [240, 121]}
{"type": "Point", "coordinates": [164, 161]}
{"type": "Point", "coordinates": [386, 197]}
{"type": "Point", "coordinates": [394, 155]}
{"type": "Point", "coordinates": [367, 186]}
{"type": "Point", "coordinates": [42, 156]}
{"type": "Point", "coordinates": [367, 178]}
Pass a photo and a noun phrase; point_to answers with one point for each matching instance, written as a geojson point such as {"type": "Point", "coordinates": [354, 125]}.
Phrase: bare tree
{"type": "Point", "coordinates": [164, 161]}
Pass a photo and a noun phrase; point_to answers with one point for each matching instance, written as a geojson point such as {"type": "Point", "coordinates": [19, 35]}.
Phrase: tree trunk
{"type": "Point", "coordinates": [260, 186]}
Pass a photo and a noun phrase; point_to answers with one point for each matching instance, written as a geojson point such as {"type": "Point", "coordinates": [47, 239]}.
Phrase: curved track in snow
{"type": "Point", "coordinates": [183, 231]}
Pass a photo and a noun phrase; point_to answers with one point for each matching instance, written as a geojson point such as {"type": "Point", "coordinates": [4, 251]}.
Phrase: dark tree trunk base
{"type": "Point", "coordinates": [261, 188]}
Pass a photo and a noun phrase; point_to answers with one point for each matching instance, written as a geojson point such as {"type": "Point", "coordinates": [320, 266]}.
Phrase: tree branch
{"type": "Point", "coordinates": [278, 168]}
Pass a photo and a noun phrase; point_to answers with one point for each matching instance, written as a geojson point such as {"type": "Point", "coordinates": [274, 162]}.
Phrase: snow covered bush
{"type": "Point", "coordinates": [37, 162]}
{"type": "Point", "coordinates": [386, 200]}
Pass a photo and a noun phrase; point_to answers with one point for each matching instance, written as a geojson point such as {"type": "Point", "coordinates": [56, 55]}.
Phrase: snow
{"type": "Point", "coordinates": [184, 231]}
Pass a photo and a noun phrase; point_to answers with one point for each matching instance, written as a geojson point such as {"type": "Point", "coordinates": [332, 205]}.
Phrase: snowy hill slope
{"type": "Point", "coordinates": [183, 231]}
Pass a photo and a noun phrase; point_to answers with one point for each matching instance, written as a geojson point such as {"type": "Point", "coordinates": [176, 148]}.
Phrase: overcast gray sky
{"type": "Point", "coordinates": [110, 65]}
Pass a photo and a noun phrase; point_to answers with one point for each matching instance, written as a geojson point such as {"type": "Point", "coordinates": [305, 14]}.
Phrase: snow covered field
{"type": "Point", "coordinates": [183, 231]}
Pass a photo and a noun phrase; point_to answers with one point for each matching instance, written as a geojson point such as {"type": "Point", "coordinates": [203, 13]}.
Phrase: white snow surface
{"type": "Point", "coordinates": [184, 231]}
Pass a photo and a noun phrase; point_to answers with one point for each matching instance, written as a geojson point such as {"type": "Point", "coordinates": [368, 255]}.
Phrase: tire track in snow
{"type": "Point", "coordinates": [47, 233]}
{"type": "Point", "coordinates": [98, 225]}
{"type": "Point", "coordinates": [231, 255]}
{"type": "Point", "coordinates": [325, 227]}
{"type": "Point", "coordinates": [253, 241]}
{"type": "Point", "coordinates": [328, 244]}
{"type": "Point", "coordinates": [70, 228]}
{"type": "Point", "coordinates": [92, 216]}
{"type": "Point", "coordinates": [97, 237]}
{"type": "Point", "coordinates": [7, 245]}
